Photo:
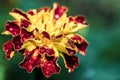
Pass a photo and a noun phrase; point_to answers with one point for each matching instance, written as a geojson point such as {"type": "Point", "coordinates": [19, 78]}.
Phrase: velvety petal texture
{"type": "Point", "coordinates": [49, 66]}
{"type": "Point", "coordinates": [9, 49]}
{"type": "Point", "coordinates": [71, 62]}
{"type": "Point", "coordinates": [31, 59]}
{"type": "Point", "coordinates": [12, 28]}
{"type": "Point", "coordinates": [42, 35]}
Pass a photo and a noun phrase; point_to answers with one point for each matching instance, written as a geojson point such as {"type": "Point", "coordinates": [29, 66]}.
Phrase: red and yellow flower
{"type": "Point", "coordinates": [43, 35]}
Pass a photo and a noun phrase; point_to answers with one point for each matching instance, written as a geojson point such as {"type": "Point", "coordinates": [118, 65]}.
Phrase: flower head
{"type": "Point", "coordinates": [43, 35]}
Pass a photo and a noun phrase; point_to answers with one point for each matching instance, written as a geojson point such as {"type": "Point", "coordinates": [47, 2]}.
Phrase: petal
{"type": "Point", "coordinates": [60, 47]}
{"type": "Point", "coordinates": [71, 62]}
{"type": "Point", "coordinates": [12, 27]}
{"type": "Point", "coordinates": [50, 66]}
{"type": "Point", "coordinates": [76, 38]}
{"type": "Point", "coordinates": [70, 51]}
{"type": "Point", "coordinates": [47, 50]}
{"type": "Point", "coordinates": [77, 23]}
{"type": "Point", "coordinates": [25, 23]}
{"type": "Point", "coordinates": [18, 14]}
{"type": "Point", "coordinates": [31, 12]}
{"type": "Point", "coordinates": [42, 50]}
{"type": "Point", "coordinates": [59, 10]}
{"type": "Point", "coordinates": [59, 36]}
{"type": "Point", "coordinates": [25, 35]}
{"type": "Point", "coordinates": [29, 45]}
{"type": "Point", "coordinates": [80, 19]}
{"type": "Point", "coordinates": [82, 47]}
{"type": "Point", "coordinates": [46, 34]}
{"type": "Point", "coordinates": [46, 9]}
{"type": "Point", "coordinates": [31, 60]}
{"type": "Point", "coordinates": [50, 51]}
{"type": "Point", "coordinates": [17, 42]}
{"type": "Point", "coordinates": [71, 43]}
{"type": "Point", "coordinates": [66, 46]}
{"type": "Point", "coordinates": [9, 49]}
{"type": "Point", "coordinates": [80, 43]}
{"type": "Point", "coordinates": [71, 19]}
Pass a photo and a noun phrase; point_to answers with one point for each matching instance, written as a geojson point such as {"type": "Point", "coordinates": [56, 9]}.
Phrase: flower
{"type": "Point", "coordinates": [42, 36]}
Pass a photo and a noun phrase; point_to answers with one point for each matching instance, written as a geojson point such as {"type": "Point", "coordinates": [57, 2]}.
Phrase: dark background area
{"type": "Point", "coordinates": [102, 61]}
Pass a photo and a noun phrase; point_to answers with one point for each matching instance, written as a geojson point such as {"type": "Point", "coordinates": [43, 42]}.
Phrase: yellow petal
{"type": "Point", "coordinates": [30, 45]}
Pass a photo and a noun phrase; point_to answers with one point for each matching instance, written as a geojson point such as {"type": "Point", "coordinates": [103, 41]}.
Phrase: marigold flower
{"type": "Point", "coordinates": [43, 35]}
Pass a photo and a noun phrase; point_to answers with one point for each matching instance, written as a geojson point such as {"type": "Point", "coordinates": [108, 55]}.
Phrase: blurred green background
{"type": "Point", "coordinates": [102, 61]}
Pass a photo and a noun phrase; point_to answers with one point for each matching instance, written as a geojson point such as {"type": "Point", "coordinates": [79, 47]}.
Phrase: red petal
{"type": "Point", "coordinates": [49, 66]}
{"type": "Point", "coordinates": [71, 62]}
{"type": "Point", "coordinates": [50, 51]}
{"type": "Point", "coordinates": [25, 35]}
{"type": "Point", "coordinates": [17, 42]}
{"type": "Point", "coordinates": [45, 34]}
{"type": "Point", "coordinates": [8, 48]}
{"type": "Point", "coordinates": [76, 38]}
{"type": "Point", "coordinates": [80, 19]}
{"type": "Point", "coordinates": [70, 51]}
{"type": "Point", "coordinates": [80, 43]}
{"type": "Point", "coordinates": [46, 50]}
{"type": "Point", "coordinates": [30, 61]}
{"type": "Point", "coordinates": [42, 50]}
{"type": "Point", "coordinates": [13, 28]}
{"type": "Point", "coordinates": [20, 12]}
{"type": "Point", "coordinates": [71, 19]}
{"type": "Point", "coordinates": [59, 11]}
{"type": "Point", "coordinates": [25, 23]}
{"type": "Point", "coordinates": [31, 12]}
{"type": "Point", "coordinates": [59, 36]}
{"type": "Point", "coordinates": [82, 47]}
